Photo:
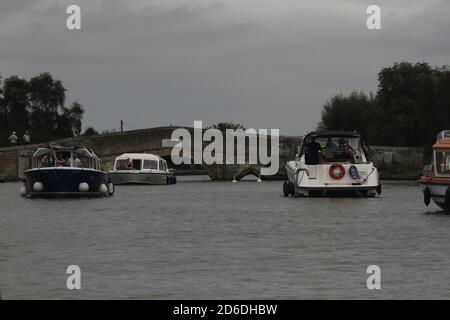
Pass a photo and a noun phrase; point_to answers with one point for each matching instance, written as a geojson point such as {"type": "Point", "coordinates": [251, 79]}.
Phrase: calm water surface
{"type": "Point", "coordinates": [218, 240]}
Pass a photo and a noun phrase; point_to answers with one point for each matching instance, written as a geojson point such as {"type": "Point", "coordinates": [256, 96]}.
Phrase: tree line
{"type": "Point", "coordinates": [411, 105]}
{"type": "Point", "coordinates": [38, 106]}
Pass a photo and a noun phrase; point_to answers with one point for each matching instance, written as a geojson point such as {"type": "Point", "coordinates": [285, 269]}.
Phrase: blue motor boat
{"type": "Point", "coordinates": [66, 171]}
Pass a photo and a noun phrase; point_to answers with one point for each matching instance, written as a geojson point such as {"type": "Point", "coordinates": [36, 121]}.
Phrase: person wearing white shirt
{"type": "Point", "coordinates": [75, 162]}
{"type": "Point", "coordinates": [26, 138]}
{"type": "Point", "coordinates": [13, 139]}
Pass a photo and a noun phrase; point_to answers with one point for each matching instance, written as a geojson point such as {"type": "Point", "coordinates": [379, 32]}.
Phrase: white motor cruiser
{"type": "Point", "coordinates": [141, 168]}
{"type": "Point", "coordinates": [331, 162]}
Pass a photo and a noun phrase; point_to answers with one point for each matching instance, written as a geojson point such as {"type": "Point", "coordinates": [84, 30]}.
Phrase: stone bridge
{"type": "Point", "coordinates": [15, 160]}
{"type": "Point", "coordinates": [393, 162]}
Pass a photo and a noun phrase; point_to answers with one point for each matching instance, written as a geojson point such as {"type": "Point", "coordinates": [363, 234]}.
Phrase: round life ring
{"type": "Point", "coordinates": [337, 171]}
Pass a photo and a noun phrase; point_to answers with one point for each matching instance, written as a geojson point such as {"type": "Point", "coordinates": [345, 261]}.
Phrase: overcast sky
{"type": "Point", "coordinates": [265, 64]}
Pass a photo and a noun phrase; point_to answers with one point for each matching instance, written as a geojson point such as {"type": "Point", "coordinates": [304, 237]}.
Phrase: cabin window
{"type": "Point", "coordinates": [442, 162]}
{"type": "Point", "coordinates": [151, 164]}
{"type": "Point", "coordinates": [86, 162]}
{"type": "Point", "coordinates": [137, 164]}
{"type": "Point", "coordinates": [128, 164]}
{"type": "Point", "coordinates": [121, 164]}
{"type": "Point", "coordinates": [333, 149]}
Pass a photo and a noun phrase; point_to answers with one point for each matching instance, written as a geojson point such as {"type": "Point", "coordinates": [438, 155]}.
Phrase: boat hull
{"type": "Point", "coordinates": [311, 180]}
{"type": "Point", "coordinates": [142, 178]}
{"type": "Point", "coordinates": [437, 192]}
{"type": "Point", "coordinates": [48, 182]}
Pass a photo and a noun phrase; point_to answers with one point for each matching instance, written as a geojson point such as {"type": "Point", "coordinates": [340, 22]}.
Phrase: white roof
{"type": "Point", "coordinates": [143, 156]}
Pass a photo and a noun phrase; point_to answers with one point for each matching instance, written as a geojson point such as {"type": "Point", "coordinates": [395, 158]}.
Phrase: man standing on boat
{"type": "Point", "coordinates": [312, 154]}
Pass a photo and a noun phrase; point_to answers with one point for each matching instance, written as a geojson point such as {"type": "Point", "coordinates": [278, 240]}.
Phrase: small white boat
{"type": "Point", "coordinates": [331, 162]}
{"type": "Point", "coordinates": [141, 168]}
{"type": "Point", "coordinates": [435, 181]}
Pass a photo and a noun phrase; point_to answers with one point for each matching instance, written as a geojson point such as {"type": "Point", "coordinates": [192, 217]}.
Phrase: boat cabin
{"type": "Point", "coordinates": [140, 162]}
{"type": "Point", "coordinates": [332, 146]}
{"type": "Point", "coordinates": [441, 155]}
{"type": "Point", "coordinates": [65, 157]}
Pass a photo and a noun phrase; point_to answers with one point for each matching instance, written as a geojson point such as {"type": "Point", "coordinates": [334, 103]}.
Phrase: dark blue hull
{"type": "Point", "coordinates": [67, 182]}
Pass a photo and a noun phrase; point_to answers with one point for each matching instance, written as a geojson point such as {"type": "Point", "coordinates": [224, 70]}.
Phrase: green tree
{"type": "Point", "coordinates": [38, 106]}
{"type": "Point", "coordinates": [413, 104]}
{"type": "Point", "coordinates": [90, 132]}
{"type": "Point", "coordinates": [69, 122]}
{"type": "Point", "coordinates": [46, 98]}
{"type": "Point", "coordinates": [352, 112]}
{"type": "Point", "coordinates": [15, 103]}
{"type": "Point", "coordinates": [222, 126]}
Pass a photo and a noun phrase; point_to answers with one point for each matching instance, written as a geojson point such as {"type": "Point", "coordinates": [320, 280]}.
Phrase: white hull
{"type": "Point", "coordinates": [119, 178]}
{"type": "Point", "coordinates": [315, 178]}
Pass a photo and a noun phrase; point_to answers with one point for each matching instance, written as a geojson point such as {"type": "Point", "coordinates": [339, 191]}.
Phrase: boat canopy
{"type": "Point", "coordinates": [142, 156]}
{"type": "Point", "coordinates": [332, 134]}
{"type": "Point", "coordinates": [442, 145]}
{"type": "Point", "coordinates": [335, 146]}
{"type": "Point", "coordinates": [442, 135]}
{"type": "Point", "coordinates": [442, 141]}
{"type": "Point", "coordinates": [81, 151]}
{"type": "Point", "coordinates": [140, 161]}
{"type": "Point", "coordinates": [64, 156]}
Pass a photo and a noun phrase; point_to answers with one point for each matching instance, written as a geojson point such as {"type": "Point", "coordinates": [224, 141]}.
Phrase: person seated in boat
{"type": "Point", "coordinates": [60, 161]}
{"type": "Point", "coordinates": [49, 160]}
{"type": "Point", "coordinates": [64, 160]}
{"type": "Point", "coordinates": [331, 144]}
{"type": "Point", "coordinates": [75, 162]}
{"type": "Point", "coordinates": [313, 151]}
{"type": "Point", "coordinates": [345, 149]}
{"type": "Point", "coordinates": [128, 164]}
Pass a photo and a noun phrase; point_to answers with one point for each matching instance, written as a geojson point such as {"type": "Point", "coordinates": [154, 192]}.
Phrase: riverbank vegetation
{"type": "Point", "coordinates": [411, 105]}
{"type": "Point", "coordinates": [37, 105]}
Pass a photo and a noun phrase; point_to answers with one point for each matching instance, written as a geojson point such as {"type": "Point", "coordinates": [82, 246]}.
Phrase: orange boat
{"type": "Point", "coordinates": [435, 181]}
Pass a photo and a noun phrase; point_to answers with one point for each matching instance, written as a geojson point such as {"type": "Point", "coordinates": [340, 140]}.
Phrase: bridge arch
{"type": "Point", "coordinates": [249, 170]}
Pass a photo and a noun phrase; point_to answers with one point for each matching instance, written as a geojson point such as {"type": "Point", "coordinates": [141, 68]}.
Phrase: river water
{"type": "Point", "coordinates": [219, 240]}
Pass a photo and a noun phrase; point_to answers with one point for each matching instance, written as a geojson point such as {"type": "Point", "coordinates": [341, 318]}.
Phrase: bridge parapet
{"type": "Point", "coordinates": [15, 160]}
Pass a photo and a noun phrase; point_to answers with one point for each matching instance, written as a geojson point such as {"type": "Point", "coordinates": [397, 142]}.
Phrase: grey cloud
{"type": "Point", "coordinates": [271, 67]}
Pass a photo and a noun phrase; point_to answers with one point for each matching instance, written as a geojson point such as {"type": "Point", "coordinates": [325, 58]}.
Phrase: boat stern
{"type": "Point", "coordinates": [333, 178]}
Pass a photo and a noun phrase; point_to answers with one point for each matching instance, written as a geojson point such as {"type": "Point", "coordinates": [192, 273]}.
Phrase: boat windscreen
{"type": "Point", "coordinates": [332, 149]}
{"type": "Point", "coordinates": [442, 162]}
{"type": "Point", "coordinates": [73, 158]}
{"type": "Point", "coordinates": [39, 152]}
